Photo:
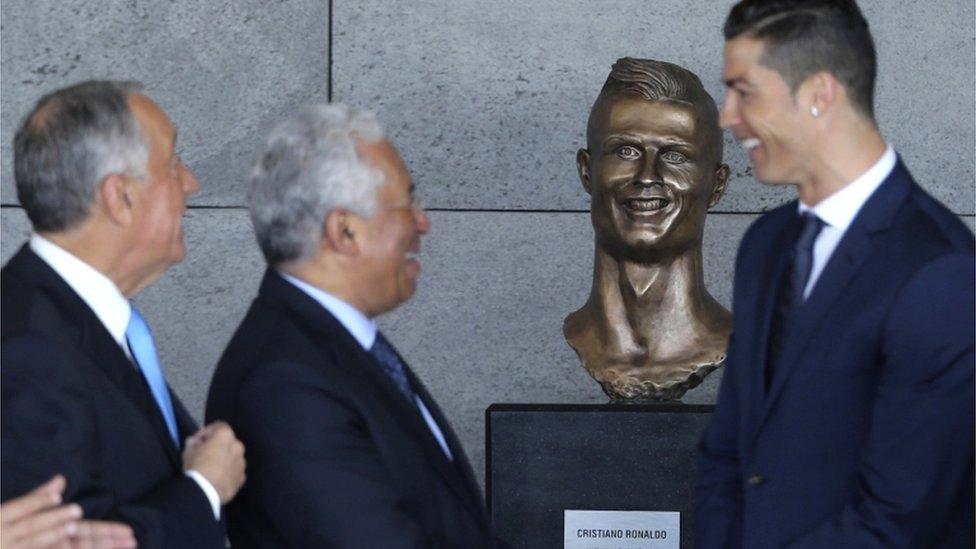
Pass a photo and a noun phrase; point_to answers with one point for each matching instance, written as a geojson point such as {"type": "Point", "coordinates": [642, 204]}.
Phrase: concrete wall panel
{"type": "Point", "coordinates": [489, 100]}
{"type": "Point", "coordinates": [224, 71]}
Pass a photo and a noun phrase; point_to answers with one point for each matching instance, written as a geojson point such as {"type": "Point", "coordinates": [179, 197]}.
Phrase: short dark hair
{"type": "Point", "coordinates": [803, 37]}
{"type": "Point", "coordinates": [662, 81]}
{"type": "Point", "coordinates": [72, 139]}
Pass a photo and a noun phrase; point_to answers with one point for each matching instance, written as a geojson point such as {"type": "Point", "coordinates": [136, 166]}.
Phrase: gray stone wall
{"type": "Point", "coordinates": [488, 102]}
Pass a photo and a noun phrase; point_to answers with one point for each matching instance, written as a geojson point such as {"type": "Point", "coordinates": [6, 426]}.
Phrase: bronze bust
{"type": "Point", "coordinates": [652, 167]}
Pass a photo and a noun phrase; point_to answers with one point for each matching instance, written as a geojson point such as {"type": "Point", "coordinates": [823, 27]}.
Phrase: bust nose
{"type": "Point", "coordinates": [647, 175]}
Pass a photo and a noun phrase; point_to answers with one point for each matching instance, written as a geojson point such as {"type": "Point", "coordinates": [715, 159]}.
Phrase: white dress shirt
{"type": "Point", "coordinates": [363, 330]}
{"type": "Point", "coordinates": [838, 211]}
{"type": "Point", "coordinates": [113, 310]}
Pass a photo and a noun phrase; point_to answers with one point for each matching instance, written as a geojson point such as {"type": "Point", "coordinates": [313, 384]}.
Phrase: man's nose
{"type": "Point", "coordinates": [190, 184]}
{"type": "Point", "coordinates": [728, 116]}
{"type": "Point", "coordinates": [422, 221]}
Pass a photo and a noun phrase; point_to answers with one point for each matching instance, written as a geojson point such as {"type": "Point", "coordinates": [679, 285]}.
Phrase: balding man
{"type": "Point", "coordinates": [83, 390]}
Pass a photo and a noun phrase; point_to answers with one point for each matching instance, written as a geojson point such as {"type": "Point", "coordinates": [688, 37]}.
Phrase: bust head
{"type": "Point", "coordinates": [653, 160]}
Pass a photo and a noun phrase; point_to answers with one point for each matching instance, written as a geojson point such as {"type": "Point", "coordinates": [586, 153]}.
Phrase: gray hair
{"type": "Point", "coordinates": [308, 168]}
{"type": "Point", "coordinates": [72, 140]}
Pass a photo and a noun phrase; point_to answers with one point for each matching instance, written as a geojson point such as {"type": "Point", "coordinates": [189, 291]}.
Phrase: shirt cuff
{"type": "Point", "coordinates": [208, 490]}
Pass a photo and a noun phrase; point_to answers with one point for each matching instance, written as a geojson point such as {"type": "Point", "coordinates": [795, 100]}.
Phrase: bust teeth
{"type": "Point", "coordinates": [647, 204]}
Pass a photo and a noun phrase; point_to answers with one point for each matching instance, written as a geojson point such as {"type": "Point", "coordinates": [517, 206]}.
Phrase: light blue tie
{"type": "Point", "coordinates": [144, 352]}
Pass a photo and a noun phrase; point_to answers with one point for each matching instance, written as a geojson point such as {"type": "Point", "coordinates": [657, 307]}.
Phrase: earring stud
{"type": "Point", "coordinates": [814, 111]}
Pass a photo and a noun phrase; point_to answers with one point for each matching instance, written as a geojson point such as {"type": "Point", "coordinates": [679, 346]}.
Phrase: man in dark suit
{"type": "Point", "coordinates": [83, 391]}
{"type": "Point", "coordinates": [345, 446]}
{"type": "Point", "coordinates": [845, 415]}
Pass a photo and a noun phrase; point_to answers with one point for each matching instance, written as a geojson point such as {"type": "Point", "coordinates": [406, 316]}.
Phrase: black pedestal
{"type": "Point", "coordinates": [544, 459]}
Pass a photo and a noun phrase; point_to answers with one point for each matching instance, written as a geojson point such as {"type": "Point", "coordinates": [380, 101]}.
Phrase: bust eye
{"type": "Point", "coordinates": [674, 157]}
{"type": "Point", "coordinates": [628, 152]}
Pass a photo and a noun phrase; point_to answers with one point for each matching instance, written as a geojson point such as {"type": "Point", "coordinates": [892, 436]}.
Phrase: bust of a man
{"type": "Point", "coordinates": [652, 167]}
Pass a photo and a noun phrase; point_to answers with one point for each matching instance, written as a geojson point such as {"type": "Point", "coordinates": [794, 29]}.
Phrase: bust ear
{"type": "Point", "coordinates": [583, 167]}
{"type": "Point", "coordinates": [338, 233]}
{"type": "Point", "coordinates": [721, 183]}
{"type": "Point", "coordinates": [116, 197]}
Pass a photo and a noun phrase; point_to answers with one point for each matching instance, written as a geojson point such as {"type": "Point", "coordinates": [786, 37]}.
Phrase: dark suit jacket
{"type": "Point", "coordinates": [865, 438]}
{"type": "Point", "coordinates": [74, 404]}
{"type": "Point", "coordinates": [336, 457]}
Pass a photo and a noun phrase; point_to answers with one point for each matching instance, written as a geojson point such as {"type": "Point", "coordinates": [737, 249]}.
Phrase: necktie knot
{"type": "Point", "coordinates": [143, 349]}
{"type": "Point", "coordinates": [808, 234]}
{"type": "Point", "coordinates": [387, 357]}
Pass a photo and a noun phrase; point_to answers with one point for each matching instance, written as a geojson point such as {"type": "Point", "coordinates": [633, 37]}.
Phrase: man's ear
{"type": "Point", "coordinates": [819, 93]}
{"type": "Point", "coordinates": [721, 183]}
{"type": "Point", "coordinates": [339, 233]}
{"type": "Point", "coordinates": [583, 167]}
{"type": "Point", "coordinates": [117, 195]}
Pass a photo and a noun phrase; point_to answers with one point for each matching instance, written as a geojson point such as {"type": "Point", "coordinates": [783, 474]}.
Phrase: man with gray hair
{"type": "Point", "coordinates": [83, 391]}
{"type": "Point", "coordinates": [345, 445]}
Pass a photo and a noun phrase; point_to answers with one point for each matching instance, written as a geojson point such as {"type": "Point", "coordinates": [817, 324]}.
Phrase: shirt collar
{"type": "Point", "coordinates": [839, 209]}
{"type": "Point", "coordinates": [94, 288]}
{"type": "Point", "coordinates": [356, 323]}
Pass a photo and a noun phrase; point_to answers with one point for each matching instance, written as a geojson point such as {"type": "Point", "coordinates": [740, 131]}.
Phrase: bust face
{"type": "Point", "coordinates": [651, 175]}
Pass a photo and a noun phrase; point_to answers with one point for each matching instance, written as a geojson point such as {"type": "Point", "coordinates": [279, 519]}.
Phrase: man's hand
{"type": "Point", "coordinates": [38, 520]}
{"type": "Point", "coordinates": [215, 453]}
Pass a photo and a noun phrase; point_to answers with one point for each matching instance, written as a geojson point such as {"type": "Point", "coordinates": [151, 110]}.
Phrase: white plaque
{"type": "Point", "coordinates": [621, 529]}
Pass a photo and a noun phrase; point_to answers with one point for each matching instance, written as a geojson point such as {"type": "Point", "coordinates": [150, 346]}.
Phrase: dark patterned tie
{"type": "Point", "coordinates": [383, 352]}
{"type": "Point", "coordinates": [791, 294]}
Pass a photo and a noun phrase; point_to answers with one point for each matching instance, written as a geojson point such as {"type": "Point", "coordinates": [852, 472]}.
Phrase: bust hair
{"type": "Point", "coordinates": [661, 81]}
{"type": "Point", "coordinates": [309, 167]}
{"type": "Point", "coordinates": [803, 37]}
{"type": "Point", "coordinates": [69, 143]}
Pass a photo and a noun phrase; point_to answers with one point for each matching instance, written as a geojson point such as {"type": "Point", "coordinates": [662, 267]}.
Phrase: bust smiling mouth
{"type": "Point", "coordinates": [655, 204]}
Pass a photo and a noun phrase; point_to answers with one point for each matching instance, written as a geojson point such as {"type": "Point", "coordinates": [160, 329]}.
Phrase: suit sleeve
{"type": "Point", "coordinates": [313, 466]}
{"type": "Point", "coordinates": [919, 454]}
{"type": "Point", "coordinates": [48, 427]}
{"type": "Point", "coordinates": [718, 509]}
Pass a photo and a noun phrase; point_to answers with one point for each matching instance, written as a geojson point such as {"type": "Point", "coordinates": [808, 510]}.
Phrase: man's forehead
{"type": "Point", "coordinates": [384, 156]}
{"type": "Point", "coordinates": [151, 116]}
{"type": "Point", "coordinates": [380, 152]}
{"type": "Point", "coordinates": [741, 54]}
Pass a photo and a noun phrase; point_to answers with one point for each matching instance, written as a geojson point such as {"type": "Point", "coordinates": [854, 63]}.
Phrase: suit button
{"type": "Point", "coordinates": [755, 480]}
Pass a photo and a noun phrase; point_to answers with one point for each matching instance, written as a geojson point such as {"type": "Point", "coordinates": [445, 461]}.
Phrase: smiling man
{"type": "Point", "coordinates": [652, 166]}
{"type": "Point", "coordinates": [83, 390]}
{"type": "Point", "coordinates": [845, 415]}
{"type": "Point", "coordinates": [347, 448]}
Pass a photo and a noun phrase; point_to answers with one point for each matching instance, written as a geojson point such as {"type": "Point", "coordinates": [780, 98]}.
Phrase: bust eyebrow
{"type": "Point", "coordinates": [667, 141]}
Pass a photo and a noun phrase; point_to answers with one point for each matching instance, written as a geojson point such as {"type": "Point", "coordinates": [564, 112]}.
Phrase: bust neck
{"type": "Point", "coordinates": [652, 321]}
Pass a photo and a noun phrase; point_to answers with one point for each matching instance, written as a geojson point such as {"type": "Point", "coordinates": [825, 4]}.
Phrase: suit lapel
{"type": "Point", "coordinates": [765, 289]}
{"type": "Point", "coordinates": [113, 362]}
{"type": "Point", "coordinates": [409, 416]}
{"type": "Point", "coordinates": [855, 248]}
{"type": "Point", "coordinates": [185, 424]}
{"type": "Point", "coordinates": [458, 473]}
{"type": "Point", "coordinates": [99, 346]}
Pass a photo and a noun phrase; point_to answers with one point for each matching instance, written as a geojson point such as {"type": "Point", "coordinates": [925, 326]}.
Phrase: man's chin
{"type": "Point", "coordinates": [177, 253]}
